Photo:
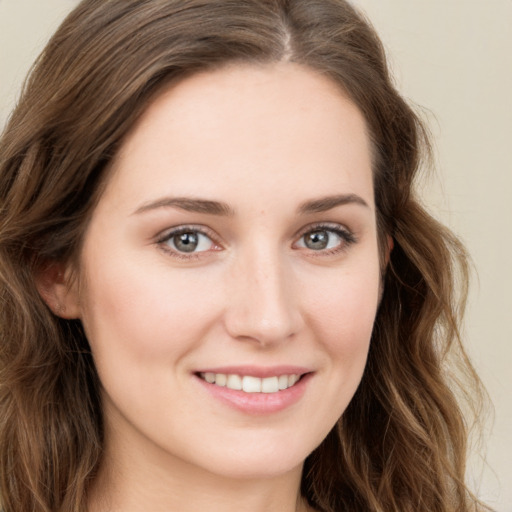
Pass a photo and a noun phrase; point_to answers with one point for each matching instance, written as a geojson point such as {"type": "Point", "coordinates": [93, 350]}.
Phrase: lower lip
{"type": "Point", "coordinates": [258, 403]}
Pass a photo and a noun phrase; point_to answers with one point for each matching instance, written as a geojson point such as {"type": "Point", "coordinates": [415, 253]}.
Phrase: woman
{"type": "Point", "coordinates": [218, 288]}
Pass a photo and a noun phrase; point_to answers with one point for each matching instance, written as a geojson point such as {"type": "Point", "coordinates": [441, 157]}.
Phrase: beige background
{"type": "Point", "coordinates": [453, 57]}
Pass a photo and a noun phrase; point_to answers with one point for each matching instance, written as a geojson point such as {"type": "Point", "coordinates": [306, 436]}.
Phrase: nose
{"type": "Point", "coordinates": [262, 303]}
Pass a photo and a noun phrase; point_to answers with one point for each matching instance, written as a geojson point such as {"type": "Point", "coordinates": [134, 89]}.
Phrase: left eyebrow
{"type": "Point", "coordinates": [326, 203]}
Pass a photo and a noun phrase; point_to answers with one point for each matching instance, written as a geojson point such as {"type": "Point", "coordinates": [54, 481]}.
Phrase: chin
{"type": "Point", "coordinates": [259, 459]}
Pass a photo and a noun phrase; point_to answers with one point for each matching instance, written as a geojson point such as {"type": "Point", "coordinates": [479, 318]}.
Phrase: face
{"type": "Point", "coordinates": [229, 276]}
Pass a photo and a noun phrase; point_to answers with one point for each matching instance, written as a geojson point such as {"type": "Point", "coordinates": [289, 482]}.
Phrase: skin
{"type": "Point", "coordinates": [264, 141]}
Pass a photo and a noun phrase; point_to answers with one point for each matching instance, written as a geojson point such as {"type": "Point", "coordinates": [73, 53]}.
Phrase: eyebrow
{"type": "Point", "coordinates": [190, 205]}
{"type": "Point", "coordinates": [324, 204]}
{"type": "Point", "coordinates": [210, 207]}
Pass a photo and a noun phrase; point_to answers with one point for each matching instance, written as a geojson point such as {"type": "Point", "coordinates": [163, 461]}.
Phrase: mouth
{"type": "Point", "coordinates": [256, 390]}
{"type": "Point", "coordinates": [251, 384]}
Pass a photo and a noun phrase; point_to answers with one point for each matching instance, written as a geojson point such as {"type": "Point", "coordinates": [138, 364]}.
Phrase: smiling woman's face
{"type": "Point", "coordinates": [235, 245]}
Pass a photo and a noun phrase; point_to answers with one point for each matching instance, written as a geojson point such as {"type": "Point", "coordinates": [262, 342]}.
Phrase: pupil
{"type": "Point", "coordinates": [317, 240]}
{"type": "Point", "coordinates": [186, 242]}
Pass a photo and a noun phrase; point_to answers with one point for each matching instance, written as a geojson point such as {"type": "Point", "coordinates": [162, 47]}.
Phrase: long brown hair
{"type": "Point", "coordinates": [401, 444]}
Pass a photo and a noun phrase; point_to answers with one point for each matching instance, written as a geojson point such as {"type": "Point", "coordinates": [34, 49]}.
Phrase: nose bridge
{"type": "Point", "coordinates": [262, 304]}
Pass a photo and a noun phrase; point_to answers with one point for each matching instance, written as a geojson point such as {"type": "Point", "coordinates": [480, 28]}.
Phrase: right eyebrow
{"type": "Point", "coordinates": [188, 204]}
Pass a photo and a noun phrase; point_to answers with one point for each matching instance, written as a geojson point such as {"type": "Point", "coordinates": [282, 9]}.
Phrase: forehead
{"type": "Point", "coordinates": [248, 127]}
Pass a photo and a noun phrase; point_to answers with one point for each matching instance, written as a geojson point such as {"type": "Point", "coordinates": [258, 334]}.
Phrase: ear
{"type": "Point", "coordinates": [58, 288]}
{"type": "Point", "coordinates": [391, 244]}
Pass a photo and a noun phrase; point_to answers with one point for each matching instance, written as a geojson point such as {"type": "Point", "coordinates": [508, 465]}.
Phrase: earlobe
{"type": "Point", "coordinates": [58, 288]}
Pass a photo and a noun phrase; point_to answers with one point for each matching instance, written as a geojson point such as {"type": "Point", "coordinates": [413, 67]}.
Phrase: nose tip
{"type": "Point", "coordinates": [262, 306]}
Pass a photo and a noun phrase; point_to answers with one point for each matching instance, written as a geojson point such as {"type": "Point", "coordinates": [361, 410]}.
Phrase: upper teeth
{"type": "Point", "coordinates": [251, 384]}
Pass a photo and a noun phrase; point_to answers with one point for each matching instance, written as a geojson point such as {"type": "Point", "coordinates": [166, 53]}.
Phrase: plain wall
{"type": "Point", "coordinates": [453, 58]}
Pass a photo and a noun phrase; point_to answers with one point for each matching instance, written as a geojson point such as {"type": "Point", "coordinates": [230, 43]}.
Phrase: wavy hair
{"type": "Point", "coordinates": [401, 443]}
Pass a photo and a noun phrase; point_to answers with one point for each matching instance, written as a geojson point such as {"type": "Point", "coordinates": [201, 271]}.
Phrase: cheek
{"type": "Point", "coordinates": [341, 314]}
{"type": "Point", "coordinates": [344, 311]}
{"type": "Point", "coordinates": [145, 313]}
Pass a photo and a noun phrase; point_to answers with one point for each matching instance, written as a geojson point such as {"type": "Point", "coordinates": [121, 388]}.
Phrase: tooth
{"type": "Point", "coordinates": [283, 382]}
{"type": "Point", "coordinates": [251, 384]}
{"type": "Point", "coordinates": [234, 382]}
{"type": "Point", "coordinates": [209, 377]}
{"type": "Point", "coordinates": [220, 379]}
{"type": "Point", "coordinates": [292, 379]}
{"type": "Point", "coordinates": [270, 385]}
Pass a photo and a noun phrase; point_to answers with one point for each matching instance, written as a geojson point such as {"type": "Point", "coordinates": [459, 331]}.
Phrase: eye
{"type": "Point", "coordinates": [187, 241]}
{"type": "Point", "coordinates": [326, 238]}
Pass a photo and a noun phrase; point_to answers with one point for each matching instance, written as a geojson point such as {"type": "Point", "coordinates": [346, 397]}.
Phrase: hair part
{"type": "Point", "coordinates": [400, 445]}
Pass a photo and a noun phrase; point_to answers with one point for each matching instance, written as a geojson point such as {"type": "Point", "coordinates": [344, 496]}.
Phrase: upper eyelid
{"type": "Point", "coordinates": [328, 226]}
{"type": "Point", "coordinates": [183, 228]}
{"type": "Point", "coordinates": [208, 231]}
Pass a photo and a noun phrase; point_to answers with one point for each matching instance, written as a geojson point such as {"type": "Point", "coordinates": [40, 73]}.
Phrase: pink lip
{"type": "Point", "coordinates": [258, 403]}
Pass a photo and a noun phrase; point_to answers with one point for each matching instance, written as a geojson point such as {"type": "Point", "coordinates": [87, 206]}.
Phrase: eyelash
{"type": "Point", "coordinates": [347, 239]}
{"type": "Point", "coordinates": [163, 240]}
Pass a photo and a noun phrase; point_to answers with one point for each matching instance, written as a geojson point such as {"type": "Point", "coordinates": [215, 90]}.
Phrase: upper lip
{"type": "Point", "coordinates": [257, 371]}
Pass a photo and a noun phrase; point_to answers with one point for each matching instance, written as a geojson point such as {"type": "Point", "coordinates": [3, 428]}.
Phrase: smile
{"type": "Point", "coordinates": [250, 384]}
